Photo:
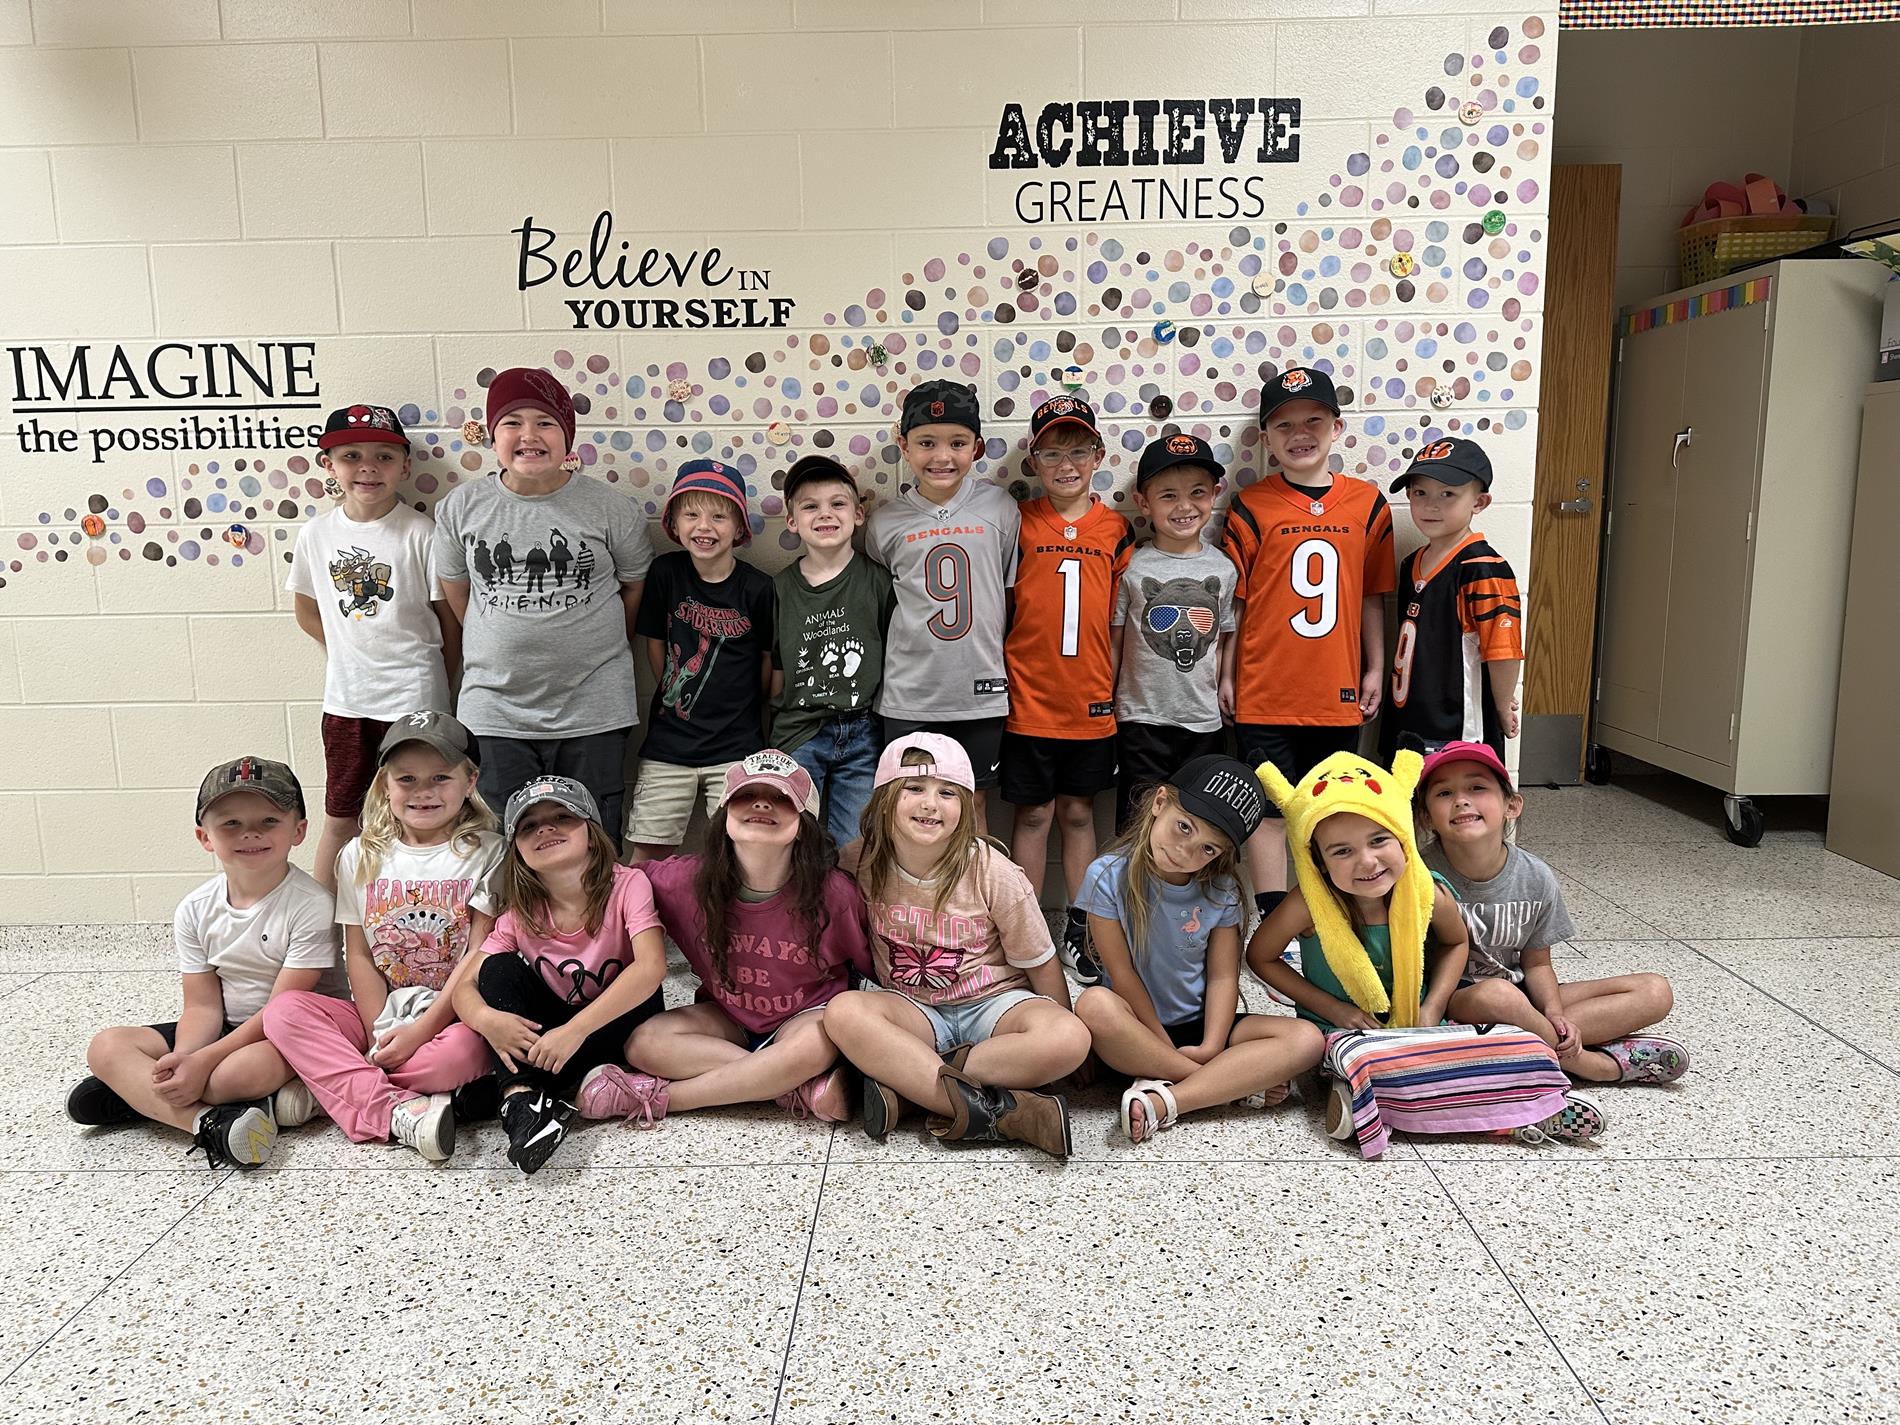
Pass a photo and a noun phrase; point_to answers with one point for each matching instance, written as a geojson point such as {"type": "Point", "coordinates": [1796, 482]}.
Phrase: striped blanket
{"type": "Point", "coordinates": [1455, 1078]}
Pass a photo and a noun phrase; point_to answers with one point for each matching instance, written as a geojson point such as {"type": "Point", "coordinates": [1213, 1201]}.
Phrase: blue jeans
{"type": "Point", "coordinates": [842, 759]}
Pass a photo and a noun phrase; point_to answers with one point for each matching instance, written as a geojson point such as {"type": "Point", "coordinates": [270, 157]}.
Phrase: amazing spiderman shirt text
{"type": "Point", "coordinates": [695, 635]}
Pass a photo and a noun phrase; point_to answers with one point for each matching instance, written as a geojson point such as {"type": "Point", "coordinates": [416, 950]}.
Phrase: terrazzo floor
{"type": "Point", "coordinates": [1726, 1255]}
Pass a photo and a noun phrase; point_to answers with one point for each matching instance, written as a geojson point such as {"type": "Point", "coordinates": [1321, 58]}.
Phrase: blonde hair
{"type": "Point", "coordinates": [1135, 844]}
{"type": "Point", "coordinates": [381, 830]}
{"type": "Point", "coordinates": [520, 888]}
{"type": "Point", "coordinates": [878, 858]}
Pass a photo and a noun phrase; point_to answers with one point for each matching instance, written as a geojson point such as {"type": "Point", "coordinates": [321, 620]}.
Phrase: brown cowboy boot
{"type": "Point", "coordinates": [990, 1115]}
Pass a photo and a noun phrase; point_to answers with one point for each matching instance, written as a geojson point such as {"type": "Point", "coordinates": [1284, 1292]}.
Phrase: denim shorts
{"type": "Point", "coordinates": [970, 1023]}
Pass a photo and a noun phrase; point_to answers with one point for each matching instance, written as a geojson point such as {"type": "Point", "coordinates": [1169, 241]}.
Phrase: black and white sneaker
{"type": "Point", "coordinates": [536, 1122]}
{"type": "Point", "coordinates": [1074, 950]}
{"type": "Point", "coordinates": [235, 1135]}
{"type": "Point", "coordinates": [94, 1104]}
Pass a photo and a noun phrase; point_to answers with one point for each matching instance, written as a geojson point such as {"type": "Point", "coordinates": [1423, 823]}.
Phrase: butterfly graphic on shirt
{"type": "Point", "coordinates": [932, 967]}
{"type": "Point", "coordinates": [572, 977]}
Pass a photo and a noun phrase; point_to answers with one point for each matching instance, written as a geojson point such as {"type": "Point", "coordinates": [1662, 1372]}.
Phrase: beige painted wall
{"type": "Point", "coordinates": [347, 172]}
{"type": "Point", "coordinates": [1847, 122]}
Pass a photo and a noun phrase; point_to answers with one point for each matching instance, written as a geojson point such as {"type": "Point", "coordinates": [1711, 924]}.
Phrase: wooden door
{"type": "Point", "coordinates": [1642, 500]}
{"type": "Point", "coordinates": [1722, 395]}
{"type": "Point", "coordinates": [1573, 413]}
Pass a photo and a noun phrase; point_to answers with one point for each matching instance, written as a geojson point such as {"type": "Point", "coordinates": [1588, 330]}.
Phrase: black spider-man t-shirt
{"type": "Point", "coordinates": [710, 705]}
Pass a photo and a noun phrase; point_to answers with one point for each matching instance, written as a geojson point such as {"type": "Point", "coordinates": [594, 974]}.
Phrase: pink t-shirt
{"type": "Point", "coordinates": [989, 932]}
{"type": "Point", "coordinates": [579, 966]}
{"type": "Point", "coordinates": [776, 972]}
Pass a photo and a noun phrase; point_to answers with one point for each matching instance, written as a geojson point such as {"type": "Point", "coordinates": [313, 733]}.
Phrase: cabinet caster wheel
{"type": "Point", "coordinates": [1741, 821]}
{"type": "Point", "coordinates": [1596, 765]}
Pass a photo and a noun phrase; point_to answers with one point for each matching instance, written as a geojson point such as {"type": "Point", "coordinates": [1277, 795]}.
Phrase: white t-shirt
{"type": "Point", "coordinates": [374, 583]}
{"type": "Point", "coordinates": [292, 928]}
{"type": "Point", "coordinates": [414, 911]}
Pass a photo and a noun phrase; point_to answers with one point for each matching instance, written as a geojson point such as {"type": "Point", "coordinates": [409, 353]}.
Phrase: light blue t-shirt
{"type": "Point", "coordinates": [1180, 920]}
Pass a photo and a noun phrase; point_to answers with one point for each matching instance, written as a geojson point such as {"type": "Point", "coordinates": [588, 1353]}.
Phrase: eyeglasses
{"type": "Point", "coordinates": [1056, 459]}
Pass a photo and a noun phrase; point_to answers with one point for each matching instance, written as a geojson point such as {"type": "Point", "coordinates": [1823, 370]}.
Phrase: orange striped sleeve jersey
{"type": "Point", "coordinates": [1061, 669]}
{"type": "Point", "coordinates": [1306, 562]}
{"type": "Point", "coordinates": [1454, 618]}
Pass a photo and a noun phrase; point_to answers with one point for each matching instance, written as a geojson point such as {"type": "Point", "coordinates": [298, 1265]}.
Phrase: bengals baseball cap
{"type": "Point", "coordinates": [362, 425]}
{"type": "Point", "coordinates": [772, 768]}
{"type": "Point", "coordinates": [941, 403]}
{"type": "Point", "coordinates": [1451, 461]}
{"type": "Point", "coordinates": [271, 780]}
{"type": "Point", "coordinates": [433, 729]}
{"type": "Point", "coordinates": [817, 467]}
{"type": "Point", "coordinates": [1063, 410]}
{"type": "Point", "coordinates": [1297, 383]}
{"type": "Point", "coordinates": [948, 760]}
{"type": "Point", "coordinates": [1453, 752]}
{"type": "Point", "coordinates": [563, 791]}
{"type": "Point", "coordinates": [1224, 793]}
{"type": "Point", "coordinates": [1173, 450]}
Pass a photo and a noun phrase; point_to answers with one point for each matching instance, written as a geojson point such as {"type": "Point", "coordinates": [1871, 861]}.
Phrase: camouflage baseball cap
{"type": "Point", "coordinates": [269, 779]}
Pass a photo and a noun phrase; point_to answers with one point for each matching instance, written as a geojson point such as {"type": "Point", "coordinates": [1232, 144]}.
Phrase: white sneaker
{"type": "Point", "coordinates": [294, 1105]}
{"type": "Point", "coordinates": [431, 1132]}
{"type": "Point", "coordinates": [1291, 957]}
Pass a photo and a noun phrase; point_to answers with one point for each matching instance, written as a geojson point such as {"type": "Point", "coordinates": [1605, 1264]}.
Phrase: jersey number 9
{"type": "Point", "coordinates": [1315, 575]}
{"type": "Point", "coordinates": [947, 580]}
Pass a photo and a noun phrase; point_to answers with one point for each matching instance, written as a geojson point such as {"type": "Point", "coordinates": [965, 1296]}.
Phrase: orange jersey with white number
{"type": "Point", "coordinates": [1059, 649]}
{"type": "Point", "coordinates": [1305, 565]}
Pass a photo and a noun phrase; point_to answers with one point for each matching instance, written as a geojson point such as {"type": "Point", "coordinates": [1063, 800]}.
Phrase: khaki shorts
{"type": "Point", "coordinates": [662, 804]}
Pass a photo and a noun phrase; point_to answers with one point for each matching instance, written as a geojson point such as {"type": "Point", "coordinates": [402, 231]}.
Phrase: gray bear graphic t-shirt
{"type": "Point", "coordinates": [1172, 610]}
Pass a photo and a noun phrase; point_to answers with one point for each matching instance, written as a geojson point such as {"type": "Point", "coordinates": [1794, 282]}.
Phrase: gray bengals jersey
{"type": "Point", "coordinates": [950, 564]}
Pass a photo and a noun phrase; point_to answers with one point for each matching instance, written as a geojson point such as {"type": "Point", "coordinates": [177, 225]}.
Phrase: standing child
{"type": "Point", "coordinates": [1314, 554]}
{"type": "Point", "coordinates": [706, 626]}
{"type": "Point", "coordinates": [773, 931]}
{"type": "Point", "coordinates": [571, 969]}
{"type": "Point", "coordinates": [1514, 911]}
{"type": "Point", "coordinates": [1059, 739]}
{"type": "Point", "coordinates": [969, 1010]}
{"type": "Point", "coordinates": [950, 545]}
{"type": "Point", "coordinates": [828, 662]}
{"type": "Point", "coordinates": [1461, 625]}
{"type": "Point", "coordinates": [256, 929]}
{"type": "Point", "coordinates": [1164, 912]}
{"type": "Point", "coordinates": [1176, 612]}
{"type": "Point", "coordinates": [413, 899]}
{"type": "Point", "coordinates": [1383, 946]}
{"type": "Point", "coordinates": [364, 578]}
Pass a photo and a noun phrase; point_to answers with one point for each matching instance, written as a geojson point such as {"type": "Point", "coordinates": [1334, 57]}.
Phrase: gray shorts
{"type": "Point", "coordinates": [969, 1023]}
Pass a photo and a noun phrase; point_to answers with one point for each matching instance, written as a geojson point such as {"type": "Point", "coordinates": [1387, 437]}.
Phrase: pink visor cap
{"type": "Point", "coordinates": [772, 768]}
{"type": "Point", "coordinates": [948, 761]}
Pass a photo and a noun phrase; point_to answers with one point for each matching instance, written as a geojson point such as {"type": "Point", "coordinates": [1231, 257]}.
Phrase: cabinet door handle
{"type": "Point", "coordinates": [1685, 436]}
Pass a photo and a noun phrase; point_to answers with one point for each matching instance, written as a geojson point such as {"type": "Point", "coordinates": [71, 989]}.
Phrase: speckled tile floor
{"type": "Point", "coordinates": [1725, 1256]}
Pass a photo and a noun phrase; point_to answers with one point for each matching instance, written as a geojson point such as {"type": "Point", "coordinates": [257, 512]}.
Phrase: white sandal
{"type": "Point", "coordinates": [1140, 1089]}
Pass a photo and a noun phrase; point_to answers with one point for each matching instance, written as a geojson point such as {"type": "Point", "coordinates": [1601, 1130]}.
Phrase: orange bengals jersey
{"type": "Point", "coordinates": [1061, 673]}
{"type": "Point", "coordinates": [1305, 565]}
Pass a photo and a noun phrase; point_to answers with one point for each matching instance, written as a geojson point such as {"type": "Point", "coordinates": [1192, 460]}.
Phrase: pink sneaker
{"type": "Point", "coordinates": [823, 1097]}
{"type": "Point", "coordinates": [609, 1091]}
{"type": "Point", "coordinates": [1645, 1058]}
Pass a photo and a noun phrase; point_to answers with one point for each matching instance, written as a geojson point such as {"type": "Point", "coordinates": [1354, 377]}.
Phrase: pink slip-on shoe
{"type": "Point", "coordinates": [609, 1091]}
{"type": "Point", "coordinates": [824, 1097]}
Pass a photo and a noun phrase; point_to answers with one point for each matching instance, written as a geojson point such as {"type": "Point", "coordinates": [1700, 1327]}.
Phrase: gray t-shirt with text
{"type": "Point", "coordinates": [1521, 908]}
{"type": "Point", "coordinates": [1172, 610]}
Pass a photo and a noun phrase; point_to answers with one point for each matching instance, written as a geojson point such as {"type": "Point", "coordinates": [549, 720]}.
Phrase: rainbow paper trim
{"type": "Point", "coordinates": [1687, 309]}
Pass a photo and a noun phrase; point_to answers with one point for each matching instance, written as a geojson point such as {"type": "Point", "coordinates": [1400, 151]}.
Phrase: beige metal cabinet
{"type": "Point", "coordinates": [1725, 560]}
{"type": "Point", "coordinates": [1863, 812]}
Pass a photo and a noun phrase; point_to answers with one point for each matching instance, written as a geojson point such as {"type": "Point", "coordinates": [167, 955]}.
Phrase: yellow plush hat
{"type": "Point", "coordinates": [1344, 782]}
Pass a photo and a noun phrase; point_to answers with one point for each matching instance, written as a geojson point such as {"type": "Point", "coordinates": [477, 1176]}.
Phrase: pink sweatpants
{"type": "Point", "coordinates": [323, 1039]}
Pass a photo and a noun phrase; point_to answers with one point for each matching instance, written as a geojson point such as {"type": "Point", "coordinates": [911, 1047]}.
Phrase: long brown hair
{"type": "Point", "coordinates": [522, 891]}
{"type": "Point", "coordinates": [717, 881]}
{"type": "Point", "coordinates": [1134, 843]}
{"type": "Point", "coordinates": [879, 853]}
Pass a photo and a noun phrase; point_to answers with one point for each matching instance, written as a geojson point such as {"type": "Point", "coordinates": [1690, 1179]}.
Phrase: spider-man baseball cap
{"type": "Point", "coordinates": [362, 425]}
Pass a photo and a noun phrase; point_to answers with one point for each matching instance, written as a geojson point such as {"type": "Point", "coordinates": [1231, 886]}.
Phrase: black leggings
{"type": "Point", "coordinates": [510, 984]}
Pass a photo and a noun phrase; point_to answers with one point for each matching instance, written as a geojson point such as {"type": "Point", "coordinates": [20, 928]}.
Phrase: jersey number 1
{"type": "Point", "coordinates": [1070, 571]}
{"type": "Point", "coordinates": [1315, 575]}
{"type": "Point", "coordinates": [947, 580]}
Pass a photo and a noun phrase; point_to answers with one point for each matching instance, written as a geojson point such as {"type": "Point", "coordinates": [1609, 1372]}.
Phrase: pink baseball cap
{"type": "Point", "coordinates": [1466, 752]}
{"type": "Point", "coordinates": [948, 760]}
{"type": "Point", "coordinates": [772, 768]}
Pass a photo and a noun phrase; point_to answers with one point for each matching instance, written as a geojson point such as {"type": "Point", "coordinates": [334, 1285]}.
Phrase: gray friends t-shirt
{"type": "Point", "coordinates": [544, 648]}
{"type": "Point", "coordinates": [943, 656]}
{"type": "Point", "coordinates": [1172, 610]}
{"type": "Point", "coordinates": [1521, 908]}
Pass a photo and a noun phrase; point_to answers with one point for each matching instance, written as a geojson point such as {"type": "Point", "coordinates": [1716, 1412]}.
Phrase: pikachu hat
{"type": "Point", "coordinates": [1347, 782]}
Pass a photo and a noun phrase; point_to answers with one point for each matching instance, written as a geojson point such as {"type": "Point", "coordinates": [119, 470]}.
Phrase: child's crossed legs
{"type": "Point", "coordinates": [1601, 1011]}
{"type": "Point", "coordinates": [123, 1057]}
{"type": "Point", "coordinates": [708, 1059]}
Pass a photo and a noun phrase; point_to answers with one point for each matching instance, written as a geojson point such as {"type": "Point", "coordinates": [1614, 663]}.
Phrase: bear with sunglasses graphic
{"type": "Point", "coordinates": [1182, 618]}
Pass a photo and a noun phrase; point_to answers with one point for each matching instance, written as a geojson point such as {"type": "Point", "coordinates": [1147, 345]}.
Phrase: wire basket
{"type": "Point", "coordinates": [1716, 248]}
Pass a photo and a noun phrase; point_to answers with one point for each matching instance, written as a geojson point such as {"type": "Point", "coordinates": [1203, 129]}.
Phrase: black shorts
{"type": "Point", "coordinates": [981, 737]}
{"type": "Point", "coordinates": [1294, 748]}
{"type": "Point", "coordinates": [169, 1032]}
{"type": "Point", "coordinates": [1193, 1031]}
{"type": "Point", "coordinates": [1040, 769]}
{"type": "Point", "coordinates": [1149, 753]}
